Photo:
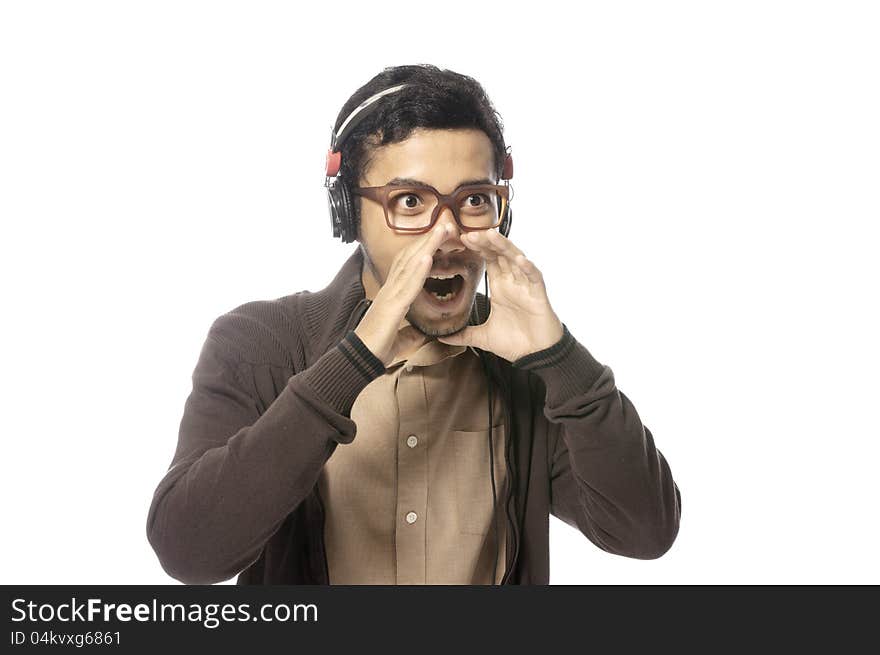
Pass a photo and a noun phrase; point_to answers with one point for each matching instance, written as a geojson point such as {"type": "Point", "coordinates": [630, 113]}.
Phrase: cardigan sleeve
{"type": "Point", "coordinates": [240, 469]}
{"type": "Point", "coordinates": [607, 477]}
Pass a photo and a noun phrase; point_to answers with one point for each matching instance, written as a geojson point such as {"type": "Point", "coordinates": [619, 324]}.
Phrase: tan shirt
{"type": "Point", "coordinates": [409, 500]}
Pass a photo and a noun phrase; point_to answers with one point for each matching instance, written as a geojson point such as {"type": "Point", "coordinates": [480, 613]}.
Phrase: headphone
{"type": "Point", "coordinates": [339, 197]}
{"type": "Point", "coordinates": [342, 220]}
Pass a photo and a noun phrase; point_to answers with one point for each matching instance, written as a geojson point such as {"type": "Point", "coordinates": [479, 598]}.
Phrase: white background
{"type": "Point", "coordinates": [698, 182]}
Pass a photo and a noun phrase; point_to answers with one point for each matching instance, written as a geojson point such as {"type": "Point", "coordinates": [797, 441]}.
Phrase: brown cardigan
{"type": "Point", "coordinates": [271, 399]}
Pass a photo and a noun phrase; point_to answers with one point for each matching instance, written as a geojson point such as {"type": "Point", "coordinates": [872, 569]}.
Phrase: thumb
{"type": "Point", "coordinates": [469, 336]}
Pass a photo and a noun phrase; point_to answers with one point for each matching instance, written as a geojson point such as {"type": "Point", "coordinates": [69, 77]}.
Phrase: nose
{"type": "Point", "coordinates": [452, 241]}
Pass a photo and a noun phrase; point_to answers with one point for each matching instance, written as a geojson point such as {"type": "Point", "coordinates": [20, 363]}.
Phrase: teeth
{"type": "Point", "coordinates": [443, 277]}
{"type": "Point", "coordinates": [448, 296]}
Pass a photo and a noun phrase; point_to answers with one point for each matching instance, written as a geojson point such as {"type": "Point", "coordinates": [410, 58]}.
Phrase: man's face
{"type": "Point", "coordinates": [444, 159]}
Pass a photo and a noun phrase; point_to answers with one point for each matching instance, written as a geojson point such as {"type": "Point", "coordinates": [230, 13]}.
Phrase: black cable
{"type": "Point", "coordinates": [491, 443]}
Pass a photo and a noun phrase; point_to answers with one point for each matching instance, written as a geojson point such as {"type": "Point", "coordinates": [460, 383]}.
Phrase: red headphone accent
{"type": "Point", "coordinates": [334, 162]}
{"type": "Point", "coordinates": [507, 173]}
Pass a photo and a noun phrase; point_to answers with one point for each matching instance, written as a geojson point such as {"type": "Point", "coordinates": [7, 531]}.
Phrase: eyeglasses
{"type": "Point", "coordinates": [413, 209]}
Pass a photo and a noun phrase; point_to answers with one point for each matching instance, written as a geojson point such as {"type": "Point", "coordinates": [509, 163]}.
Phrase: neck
{"type": "Point", "coordinates": [371, 286]}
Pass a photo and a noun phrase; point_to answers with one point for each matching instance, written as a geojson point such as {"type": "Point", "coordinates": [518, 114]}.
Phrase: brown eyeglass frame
{"type": "Point", "coordinates": [380, 194]}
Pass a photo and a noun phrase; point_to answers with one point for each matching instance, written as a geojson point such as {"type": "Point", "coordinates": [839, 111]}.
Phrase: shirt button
{"type": "Point", "coordinates": [408, 368]}
{"type": "Point", "coordinates": [412, 440]}
{"type": "Point", "coordinates": [411, 517]}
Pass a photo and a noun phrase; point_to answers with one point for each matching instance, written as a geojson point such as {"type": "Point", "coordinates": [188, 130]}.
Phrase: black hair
{"type": "Point", "coordinates": [434, 99]}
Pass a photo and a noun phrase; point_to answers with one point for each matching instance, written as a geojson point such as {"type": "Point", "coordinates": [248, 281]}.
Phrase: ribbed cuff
{"type": "Point", "coordinates": [566, 367]}
{"type": "Point", "coordinates": [341, 373]}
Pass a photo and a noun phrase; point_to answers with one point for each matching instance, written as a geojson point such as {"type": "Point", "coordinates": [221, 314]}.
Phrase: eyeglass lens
{"type": "Point", "coordinates": [412, 207]}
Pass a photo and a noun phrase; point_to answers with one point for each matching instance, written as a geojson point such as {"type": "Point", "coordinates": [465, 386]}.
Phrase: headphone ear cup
{"type": "Point", "coordinates": [341, 214]}
{"type": "Point", "coordinates": [504, 228]}
{"type": "Point", "coordinates": [334, 204]}
{"type": "Point", "coordinates": [347, 214]}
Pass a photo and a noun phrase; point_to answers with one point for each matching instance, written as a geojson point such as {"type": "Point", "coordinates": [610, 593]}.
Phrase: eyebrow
{"type": "Point", "coordinates": [414, 182]}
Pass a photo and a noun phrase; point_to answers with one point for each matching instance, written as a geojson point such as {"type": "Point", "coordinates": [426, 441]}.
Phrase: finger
{"type": "Point", "coordinates": [429, 243]}
{"type": "Point", "coordinates": [504, 265]}
{"type": "Point", "coordinates": [512, 259]}
{"type": "Point", "coordinates": [439, 234]}
{"type": "Point", "coordinates": [516, 270]}
{"type": "Point", "coordinates": [417, 260]}
{"type": "Point", "coordinates": [522, 269]}
{"type": "Point", "coordinates": [508, 256]}
{"type": "Point", "coordinates": [532, 273]}
{"type": "Point", "coordinates": [469, 336]}
{"type": "Point", "coordinates": [501, 245]}
{"type": "Point", "coordinates": [477, 241]}
{"type": "Point", "coordinates": [423, 261]}
{"type": "Point", "coordinates": [493, 246]}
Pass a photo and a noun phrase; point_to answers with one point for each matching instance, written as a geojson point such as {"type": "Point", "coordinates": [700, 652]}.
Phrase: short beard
{"type": "Point", "coordinates": [430, 331]}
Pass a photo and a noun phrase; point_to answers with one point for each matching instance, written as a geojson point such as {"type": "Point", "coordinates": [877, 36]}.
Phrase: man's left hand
{"type": "Point", "coordinates": [521, 320]}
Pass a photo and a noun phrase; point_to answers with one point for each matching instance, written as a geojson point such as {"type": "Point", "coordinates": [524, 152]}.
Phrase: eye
{"type": "Point", "coordinates": [407, 201]}
{"type": "Point", "coordinates": [478, 201]}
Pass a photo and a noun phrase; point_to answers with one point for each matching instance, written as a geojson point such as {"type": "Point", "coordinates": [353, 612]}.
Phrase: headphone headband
{"type": "Point", "coordinates": [337, 138]}
{"type": "Point", "coordinates": [338, 194]}
{"type": "Point", "coordinates": [352, 121]}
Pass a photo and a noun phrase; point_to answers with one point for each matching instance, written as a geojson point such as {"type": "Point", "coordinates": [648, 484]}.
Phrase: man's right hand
{"type": "Point", "coordinates": [379, 326]}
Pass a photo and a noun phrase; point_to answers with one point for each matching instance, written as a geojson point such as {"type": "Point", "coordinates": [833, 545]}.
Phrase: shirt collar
{"type": "Point", "coordinates": [429, 353]}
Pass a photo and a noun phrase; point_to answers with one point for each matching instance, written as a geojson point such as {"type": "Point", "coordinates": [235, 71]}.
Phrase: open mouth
{"type": "Point", "coordinates": [445, 289]}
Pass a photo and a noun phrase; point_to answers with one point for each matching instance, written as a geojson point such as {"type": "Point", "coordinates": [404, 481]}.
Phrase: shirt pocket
{"type": "Point", "coordinates": [473, 483]}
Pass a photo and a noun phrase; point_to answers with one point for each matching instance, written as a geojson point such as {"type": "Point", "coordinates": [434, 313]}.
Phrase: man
{"type": "Point", "coordinates": [398, 426]}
